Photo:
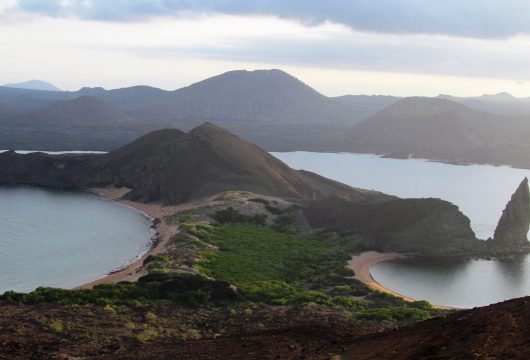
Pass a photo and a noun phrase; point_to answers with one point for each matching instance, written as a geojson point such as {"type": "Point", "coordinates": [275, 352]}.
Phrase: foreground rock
{"type": "Point", "coordinates": [499, 331]}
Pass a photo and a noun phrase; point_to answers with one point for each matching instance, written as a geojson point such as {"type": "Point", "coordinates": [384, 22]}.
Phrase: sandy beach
{"type": "Point", "coordinates": [361, 264]}
{"type": "Point", "coordinates": [164, 231]}
{"type": "Point", "coordinates": [135, 270]}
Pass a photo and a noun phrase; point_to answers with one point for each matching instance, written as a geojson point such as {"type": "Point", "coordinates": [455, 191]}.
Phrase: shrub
{"type": "Point", "coordinates": [151, 317]}
{"type": "Point", "coordinates": [247, 311]}
{"type": "Point", "coordinates": [285, 223]}
{"type": "Point", "coordinates": [57, 326]}
{"type": "Point", "coordinates": [231, 216]}
{"type": "Point", "coordinates": [192, 334]}
{"type": "Point", "coordinates": [259, 200]}
{"type": "Point", "coordinates": [130, 325]}
{"type": "Point", "coordinates": [148, 334]}
{"type": "Point", "coordinates": [186, 226]}
{"type": "Point", "coordinates": [274, 210]}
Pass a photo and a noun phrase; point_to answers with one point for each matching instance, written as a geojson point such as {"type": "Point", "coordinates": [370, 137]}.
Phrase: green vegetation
{"type": "Point", "coordinates": [283, 268]}
{"type": "Point", "coordinates": [231, 216]}
{"type": "Point", "coordinates": [269, 265]}
{"type": "Point", "coordinates": [154, 289]}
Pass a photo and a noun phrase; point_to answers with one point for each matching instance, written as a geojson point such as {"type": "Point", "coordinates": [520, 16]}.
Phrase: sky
{"type": "Point", "coordinates": [389, 47]}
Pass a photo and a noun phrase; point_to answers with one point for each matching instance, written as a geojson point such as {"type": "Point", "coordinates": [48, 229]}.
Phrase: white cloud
{"type": "Point", "coordinates": [173, 52]}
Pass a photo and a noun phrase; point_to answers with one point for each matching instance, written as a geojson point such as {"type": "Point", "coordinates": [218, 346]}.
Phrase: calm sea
{"type": "Point", "coordinates": [64, 239]}
{"type": "Point", "coordinates": [480, 191]}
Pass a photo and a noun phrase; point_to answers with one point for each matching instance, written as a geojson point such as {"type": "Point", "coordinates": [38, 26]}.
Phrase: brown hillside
{"type": "Point", "coordinates": [172, 166]}
{"type": "Point", "coordinates": [499, 331]}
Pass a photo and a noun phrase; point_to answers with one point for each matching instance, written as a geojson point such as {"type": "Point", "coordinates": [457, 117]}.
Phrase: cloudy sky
{"type": "Point", "coordinates": [398, 47]}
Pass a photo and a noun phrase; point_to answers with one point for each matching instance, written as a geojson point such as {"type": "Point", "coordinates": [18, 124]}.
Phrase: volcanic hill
{"type": "Point", "coordinates": [441, 129]}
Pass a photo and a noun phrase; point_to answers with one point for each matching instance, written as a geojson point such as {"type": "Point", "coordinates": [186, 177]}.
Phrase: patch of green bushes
{"type": "Point", "coordinates": [158, 287]}
{"type": "Point", "coordinates": [280, 268]}
{"type": "Point", "coordinates": [232, 216]}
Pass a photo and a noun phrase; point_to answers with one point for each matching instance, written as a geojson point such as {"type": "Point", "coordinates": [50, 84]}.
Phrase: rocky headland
{"type": "Point", "coordinates": [172, 167]}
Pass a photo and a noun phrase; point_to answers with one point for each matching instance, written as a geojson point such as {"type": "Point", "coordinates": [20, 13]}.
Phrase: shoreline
{"type": "Point", "coordinates": [163, 233]}
{"type": "Point", "coordinates": [361, 264]}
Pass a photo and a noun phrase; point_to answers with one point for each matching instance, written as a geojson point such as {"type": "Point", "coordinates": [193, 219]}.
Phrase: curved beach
{"type": "Point", "coordinates": [361, 264]}
{"type": "Point", "coordinates": [164, 232]}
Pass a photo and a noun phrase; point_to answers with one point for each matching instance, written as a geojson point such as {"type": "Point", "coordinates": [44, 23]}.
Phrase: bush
{"type": "Point", "coordinates": [231, 216]}
{"type": "Point", "coordinates": [285, 223]}
{"type": "Point", "coordinates": [147, 335]}
{"type": "Point", "coordinates": [259, 200]}
{"type": "Point", "coordinates": [274, 210]}
{"type": "Point", "coordinates": [151, 317]}
{"type": "Point", "coordinates": [57, 326]}
{"type": "Point", "coordinates": [156, 288]}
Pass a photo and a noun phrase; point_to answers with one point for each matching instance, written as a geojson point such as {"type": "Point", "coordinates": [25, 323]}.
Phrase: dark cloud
{"type": "Point", "coordinates": [468, 18]}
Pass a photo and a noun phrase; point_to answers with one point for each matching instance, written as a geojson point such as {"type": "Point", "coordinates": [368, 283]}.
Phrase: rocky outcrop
{"type": "Point", "coordinates": [419, 226]}
{"type": "Point", "coordinates": [43, 170]}
{"type": "Point", "coordinates": [431, 227]}
{"type": "Point", "coordinates": [512, 229]}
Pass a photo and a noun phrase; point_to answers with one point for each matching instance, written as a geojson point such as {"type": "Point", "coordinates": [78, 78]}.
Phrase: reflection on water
{"type": "Point", "coordinates": [457, 282]}
{"type": "Point", "coordinates": [480, 191]}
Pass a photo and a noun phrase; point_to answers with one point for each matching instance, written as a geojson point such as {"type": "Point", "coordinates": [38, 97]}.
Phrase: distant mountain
{"type": "Point", "coordinates": [126, 99]}
{"type": "Point", "coordinates": [4, 106]}
{"type": "Point", "coordinates": [34, 85]}
{"type": "Point", "coordinates": [261, 96]}
{"type": "Point", "coordinates": [84, 111]}
{"type": "Point", "coordinates": [83, 123]}
{"type": "Point", "coordinates": [268, 107]}
{"type": "Point", "coordinates": [364, 106]}
{"type": "Point", "coordinates": [24, 100]}
{"type": "Point", "coordinates": [130, 98]}
{"type": "Point", "coordinates": [502, 103]}
{"type": "Point", "coordinates": [277, 112]}
{"type": "Point", "coordinates": [441, 129]}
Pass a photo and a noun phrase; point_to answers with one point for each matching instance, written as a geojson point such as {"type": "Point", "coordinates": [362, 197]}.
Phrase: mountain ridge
{"type": "Point", "coordinates": [34, 85]}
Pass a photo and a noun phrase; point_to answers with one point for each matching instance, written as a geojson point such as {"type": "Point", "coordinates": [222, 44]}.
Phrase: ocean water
{"type": "Point", "coordinates": [64, 239]}
{"type": "Point", "coordinates": [457, 282]}
{"type": "Point", "coordinates": [480, 191]}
